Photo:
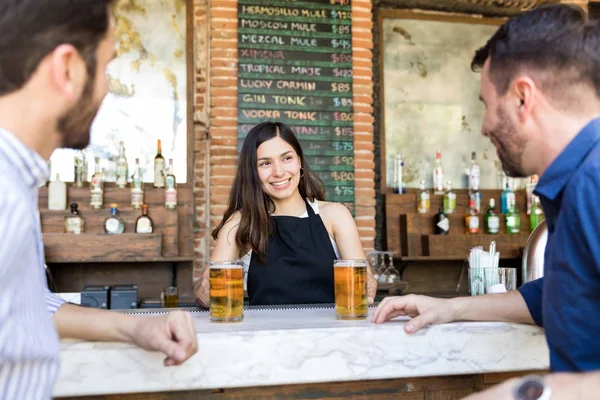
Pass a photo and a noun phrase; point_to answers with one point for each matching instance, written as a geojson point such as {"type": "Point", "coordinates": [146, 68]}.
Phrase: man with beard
{"type": "Point", "coordinates": [540, 84]}
{"type": "Point", "coordinates": [53, 56]}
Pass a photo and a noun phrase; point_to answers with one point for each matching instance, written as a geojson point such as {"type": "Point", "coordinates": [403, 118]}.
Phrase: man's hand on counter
{"type": "Point", "coordinates": [424, 310]}
{"type": "Point", "coordinates": [174, 334]}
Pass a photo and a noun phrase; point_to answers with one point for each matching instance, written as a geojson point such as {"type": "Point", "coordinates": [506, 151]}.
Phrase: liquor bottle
{"type": "Point", "coordinates": [114, 225]}
{"type": "Point", "coordinates": [492, 220]}
{"type": "Point", "coordinates": [474, 173]}
{"type": "Point", "coordinates": [171, 188]}
{"type": "Point", "coordinates": [122, 167]}
{"type": "Point", "coordinates": [513, 220]}
{"type": "Point", "coordinates": [472, 219]}
{"type": "Point", "coordinates": [137, 186]}
{"type": "Point", "coordinates": [441, 223]}
{"type": "Point", "coordinates": [507, 198]}
{"type": "Point", "coordinates": [423, 201]}
{"type": "Point", "coordinates": [57, 194]}
{"type": "Point", "coordinates": [85, 167]}
{"type": "Point", "coordinates": [438, 174]}
{"type": "Point", "coordinates": [449, 199]}
{"type": "Point", "coordinates": [398, 169]}
{"type": "Point", "coordinates": [78, 162]}
{"type": "Point", "coordinates": [159, 168]}
{"type": "Point", "coordinates": [529, 188]}
{"type": "Point", "coordinates": [97, 187]}
{"type": "Point", "coordinates": [144, 224]}
{"type": "Point", "coordinates": [537, 214]}
{"type": "Point", "coordinates": [74, 223]}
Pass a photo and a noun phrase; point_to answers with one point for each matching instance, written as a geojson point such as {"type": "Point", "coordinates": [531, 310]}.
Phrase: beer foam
{"type": "Point", "coordinates": [226, 266]}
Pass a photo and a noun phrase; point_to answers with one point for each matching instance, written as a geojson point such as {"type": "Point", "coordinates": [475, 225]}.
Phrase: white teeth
{"type": "Point", "coordinates": [279, 183]}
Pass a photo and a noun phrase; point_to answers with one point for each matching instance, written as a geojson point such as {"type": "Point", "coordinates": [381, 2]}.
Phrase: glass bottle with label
{"type": "Point", "coordinates": [74, 223]}
{"type": "Point", "coordinates": [171, 188]}
{"type": "Point", "coordinates": [137, 186]}
{"type": "Point", "coordinates": [438, 174]}
{"type": "Point", "coordinates": [122, 167]}
{"type": "Point", "coordinates": [398, 169]}
{"type": "Point", "coordinates": [97, 187]}
{"type": "Point", "coordinates": [57, 194]}
{"type": "Point", "coordinates": [114, 225]}
{"type": "Point", "coordinates": [472, 219]}
{"type": "Point", "coordinates": [513, 220]}
{"type": "Point", "coordinates": [507, 198]}
{"type": "Point", "coordinates": [441, 223]}
{"type": "Point", "coordinates": [449, 199]}
{"type": "Point", "coordinates": [474, 173]}
{"type": "Point", "coordinates": [78, 162]}
{"type": "Point", "coordinates": [537, 214]}
{"type": "Point", "coordinates": [423, 199]}
{"type": "Point", "coordinates": [492, 219]}
{"type": "Point", "coordinates": [159, 167]}
{"type": "Point", "coordinates": [144, 224]}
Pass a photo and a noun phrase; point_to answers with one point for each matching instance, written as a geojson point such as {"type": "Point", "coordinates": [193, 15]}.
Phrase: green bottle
{"type": "Point", "coordinates": [449, 199]}
{"type": "Point", "coordinates": [537, 214]}
{"type": "Point", "coordinates": [513, 220]}
{"type": "Point", "coordinates": [492, 220]}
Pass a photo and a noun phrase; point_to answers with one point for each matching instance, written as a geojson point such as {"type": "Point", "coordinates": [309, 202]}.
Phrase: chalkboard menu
{"type": "Point", "coordinates": [295, 67]}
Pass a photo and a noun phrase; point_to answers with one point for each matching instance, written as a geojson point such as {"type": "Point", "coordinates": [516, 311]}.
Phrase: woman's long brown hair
{"type": "Point", "coordinates": [248, 197]}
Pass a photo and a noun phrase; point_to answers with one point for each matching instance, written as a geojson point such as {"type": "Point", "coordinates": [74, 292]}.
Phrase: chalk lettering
{"type": "Point", "coordinates": [266, 39]}
{"type": "Point", "coordinates": [273, 11]}
{"type": "Point", "coordinates": [291, 100]}
{"type": "Point", "coordinates": [273, 114]}
{"type": "Point", "coordinates": [268, 54]}
{"type": "Point", "coordinates": [296, 85]}
{"type": "Point", "coordinates": [303, 115]}
{"type": "Point", "coordinates": [314, 13]}
{"type": "Point", "coordinates": [256, 24]}
{"type": "Point", "coordinates": [307, 71]}
{"type": "Point", "coordinates": [255, 84]}
{"type": "Point", "coordinates": [305, 42]}
{"type": "Point", "coordinates": [262, 69]}
{"type": "Point", "coordinates": [297, 26]}
{"type": "Point", "coordinates": [305, 130]}
{"type": "Point", "coordinates": [254, 98]}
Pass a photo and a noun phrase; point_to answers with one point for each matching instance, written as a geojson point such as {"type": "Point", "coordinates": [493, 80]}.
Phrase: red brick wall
{"type": "Point", "coordinates": [216, 157]}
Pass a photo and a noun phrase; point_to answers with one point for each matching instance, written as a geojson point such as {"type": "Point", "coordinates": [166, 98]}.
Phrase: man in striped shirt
{"type": "Point", "coordinates": [53, 55]}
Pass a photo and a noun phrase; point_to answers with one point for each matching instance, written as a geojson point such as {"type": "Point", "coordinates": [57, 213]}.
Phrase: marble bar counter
{"type": "Point", "coordinates": [303, 346]}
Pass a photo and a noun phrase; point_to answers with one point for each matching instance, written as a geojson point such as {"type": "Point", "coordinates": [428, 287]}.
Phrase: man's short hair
{"type": "Point", "coordinates": [556, 43]}
{"type": "Point", "coordinates": [32, 29]}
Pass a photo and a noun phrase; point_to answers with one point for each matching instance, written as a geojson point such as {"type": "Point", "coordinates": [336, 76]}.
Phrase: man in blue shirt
{"type": "Point", "coordinates": [540, 83]}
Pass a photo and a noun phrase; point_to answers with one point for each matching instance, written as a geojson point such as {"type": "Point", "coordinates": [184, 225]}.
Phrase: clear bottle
{"type": "Point", "coordinates": [423, 199]}
{"type": "Point", "coordinates": [57, 194]}
{"type": "Point", "coordinates": [472, 219]}
{"type": "Point", "coordinates": [536, 216]}
{"type": "Point", "coordinates": [529, 188]}
{"type": "Point", "coordinates": [507, 198]}
{"type": "Point", "coordinates": [513, 220]}
{"type": "Point", "coordinates": [474, 173]}
{"type": "Point", "coordinates": [122, 167]}
{"type": "Point", "coordinates": [171, 188]}
{"type": "Point", "coordinates": [398, 169]}
{"type": "Point", "coordinates": [74, 223]}
{"type": "Point", "coordinates": [144, 223]}
{"type": "Point", "coordinates": [449, 199]}
{"type": "Point", "coordinates": [78, 162]}
{"type": "Point", "coordinates": [114, 225]}
{"type": "Point", "coordinates": [137, 186]}
{"type": "Point", "coordinates": [159, 167]}
{"type": "Point", "coordinates": [97, 187]}
{"type": "Point", "coordinates": [438, 174]}
{"type": "Point", "coordinates": [85, 167]}
{"type": "Point", "coordinates": [441, 223]}
{"type": "Point", "coordinates": [492, 219]}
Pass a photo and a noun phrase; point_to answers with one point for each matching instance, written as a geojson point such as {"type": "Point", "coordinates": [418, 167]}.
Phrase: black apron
{"type": "Point", "coordinates": [299, 264]}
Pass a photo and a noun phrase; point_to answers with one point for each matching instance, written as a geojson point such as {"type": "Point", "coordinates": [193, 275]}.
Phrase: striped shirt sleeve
{"type": "Point", "coordinates": [53, 302]}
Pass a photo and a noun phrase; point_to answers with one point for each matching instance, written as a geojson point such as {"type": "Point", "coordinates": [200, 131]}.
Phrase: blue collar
{"type": "Point", "coordinates": [556, 177]}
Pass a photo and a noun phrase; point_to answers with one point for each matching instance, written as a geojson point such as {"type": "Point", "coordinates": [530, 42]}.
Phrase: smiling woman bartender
{"type": "Point", "coordinates": [279, 225]}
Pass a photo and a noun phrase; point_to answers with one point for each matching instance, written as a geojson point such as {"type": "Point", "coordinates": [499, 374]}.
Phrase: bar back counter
{"type": "Point", "coordinates": [301, 353]}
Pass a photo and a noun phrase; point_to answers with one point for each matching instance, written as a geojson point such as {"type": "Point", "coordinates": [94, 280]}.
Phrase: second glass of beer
{"type": "Point", "coordinates": [351, 300]}
{"type": "Point", "coordinates": [226, 291]}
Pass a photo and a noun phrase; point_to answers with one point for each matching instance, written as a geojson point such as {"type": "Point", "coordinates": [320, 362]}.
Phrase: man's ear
{"type": "Point", "coordinates": [524, 89]}
{"type": "Point", "coordinates": [68, 72]}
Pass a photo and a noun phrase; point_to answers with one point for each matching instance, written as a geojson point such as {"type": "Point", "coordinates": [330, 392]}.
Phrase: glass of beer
{"type": "Point", "coordinates": [170, 297]}
{"type": "Point", "coordinates": [226, 291]}
{"type": "Point", "coordinates": [350, 278]}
